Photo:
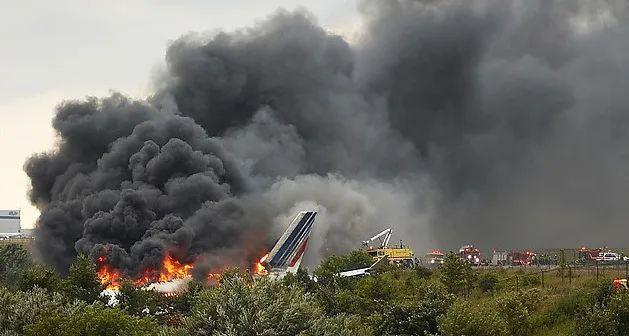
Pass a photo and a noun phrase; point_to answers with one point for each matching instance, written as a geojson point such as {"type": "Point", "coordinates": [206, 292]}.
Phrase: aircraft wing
{"type": "Point", "coordinates": [356, 272]}
{"type": "Point", "coordinates": [367, 270]}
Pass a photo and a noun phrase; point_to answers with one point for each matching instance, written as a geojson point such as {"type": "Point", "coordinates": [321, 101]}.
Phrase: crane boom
{"type": "Point", "coordinates": [384, 241]}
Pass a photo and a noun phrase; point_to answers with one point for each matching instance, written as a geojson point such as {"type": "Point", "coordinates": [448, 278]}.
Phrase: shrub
{"type": "Point", "coordinates": [19, 309]}
{"type": "Point", "coordinates": [603, 293]}
{"type": "Point", "coordinates": [596, 322]}
{"type": "Point", "coordinates": [456, 275]}
{"type": "Point", "coordinates": [465, 318]}
{"type": "Point", "coordinates": [531, 298]}
{"type": "Point", "coordinates": [515, 313]}
{"type": "Point", "coordinates": [487, 282]}
{"type": "Point", "coordinates": [572, 305]}
{"type": "Point", "coordinates": [619, 311]}
{"type": "Point", "coordinates": [412, 317]}
{"type": "Point", "coordinates": [339, 325]}
{"type": "Point", "coordinates": [530, 280]}
{"type": "Point", "coordinates": [265, 307]}
{"type": "Point", "coordinates": [93, 320]}
{"type": "Point", "coordinates": [423, 272]}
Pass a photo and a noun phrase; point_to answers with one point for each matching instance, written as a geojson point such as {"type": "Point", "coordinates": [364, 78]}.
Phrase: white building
{"type": "Point", "coordinates": [10, 222]}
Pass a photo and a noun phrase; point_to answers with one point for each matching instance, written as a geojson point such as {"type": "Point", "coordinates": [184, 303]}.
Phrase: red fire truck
{"type": "Point", "coordinates": [524, 258]}
{"type": "Point", "coordinates": [470, 254]}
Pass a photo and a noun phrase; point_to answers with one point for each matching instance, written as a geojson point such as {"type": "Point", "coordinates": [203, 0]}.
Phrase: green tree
{"type": "Point", "coordinates": [339, 325]}
{"type": "Point", "coordinates": [14, 260]}
{"type": "Point", "coordinates": [82, 282]}
{"type": "Point", "coordinates": [39, 276]}
{"type": "Point", "coordinates": [93, 320]}
{"type": "Point", "coordinates": [264, 308]}
{"type": "Point", "coordinates": [18, 309]}
{"type": "Point", "coordinates": [235, 273]}
{"type": "Point", "coordinates": [183, 302]}
{"type": "Point", "coordinates": [302, 279]}
{"type": "Point", "coordinates": [139, 302]}
{"type": "Point", "coordinates": [416, 315]}
{"type": "Point", "coordinates": [456, 274]}
{"type": "Point", "coordinates": [327, 271]}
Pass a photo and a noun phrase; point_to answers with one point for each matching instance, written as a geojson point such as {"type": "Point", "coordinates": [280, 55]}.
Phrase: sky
{"type": "Point", "coordinates": [56, 50]}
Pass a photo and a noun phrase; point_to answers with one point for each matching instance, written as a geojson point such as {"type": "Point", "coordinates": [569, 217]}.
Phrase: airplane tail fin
{"type": "Point", "coordinates": [289, 249]}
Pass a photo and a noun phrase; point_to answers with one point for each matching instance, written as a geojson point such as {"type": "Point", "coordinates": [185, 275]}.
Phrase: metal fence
{"type": "Point", "coordinates": [540, 275]}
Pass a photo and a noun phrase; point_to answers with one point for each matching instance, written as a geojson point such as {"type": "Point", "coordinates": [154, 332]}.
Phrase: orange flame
{"type": "Point", "coordinates": [259, 268]}
{"type": "Point", "coordinates": [174, 269]}
{"type": "Point", "coordinates": [108, 276]}
{"type": "Point", "coordinates": [171, 269]}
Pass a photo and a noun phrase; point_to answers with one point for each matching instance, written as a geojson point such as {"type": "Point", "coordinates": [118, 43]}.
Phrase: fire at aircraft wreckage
{"type": "Point", "coordinates": [174, 276]}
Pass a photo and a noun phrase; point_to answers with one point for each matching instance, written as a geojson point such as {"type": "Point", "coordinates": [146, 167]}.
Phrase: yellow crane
{"type": "Point", "coordinates": [397, 255]}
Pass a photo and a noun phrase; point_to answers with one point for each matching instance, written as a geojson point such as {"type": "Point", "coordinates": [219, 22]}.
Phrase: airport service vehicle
{"type": "Point", "coordinates": [585, 254]}
{"type": "Point", "coordinates": [525, 258]}
{"type": "Point", "coordinates": [499, 258]}
{"type": "Point", "coordinates": [608, 257]}
{"type": "Point", "coordinates": [434, 257]}
{"type": "Point", "coordinates": [396, 255]}
{"type": "Point", "coordinates": [470, 254]}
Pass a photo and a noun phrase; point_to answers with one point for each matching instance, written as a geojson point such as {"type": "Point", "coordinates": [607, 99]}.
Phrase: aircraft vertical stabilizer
{"type": "Point", "coordinates": [289, 250]}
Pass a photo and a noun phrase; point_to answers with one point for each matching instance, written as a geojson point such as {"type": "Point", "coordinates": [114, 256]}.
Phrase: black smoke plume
{"type": "Point", "coordinates": [498, 123]}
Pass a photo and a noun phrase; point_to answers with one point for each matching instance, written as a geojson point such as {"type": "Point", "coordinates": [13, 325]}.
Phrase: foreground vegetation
{"type": "Point", "coordinates": [454, 300]}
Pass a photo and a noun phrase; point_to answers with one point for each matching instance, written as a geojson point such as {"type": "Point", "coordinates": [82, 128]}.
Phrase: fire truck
{"type": "Point", "coordinates": [470, 254]}
{"type": "Point", "coordinates": [434, 258]}
{"type": "Point", "coordinates": [524, 258]}
{"type": "Point", "coordinates": [586, 255]}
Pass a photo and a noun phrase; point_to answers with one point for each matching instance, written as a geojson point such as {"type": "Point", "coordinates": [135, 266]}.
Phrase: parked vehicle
{"type": "Point", "coordinates": [499, 258]}
{"type": "Point", "coordinates": [525, 258]}
{"type": "Point", "coordinates": [608, 257]}
{"type": "Point", "coordinates": [470, 254]}
{"type": "Point", "coordinates": [434, 257]}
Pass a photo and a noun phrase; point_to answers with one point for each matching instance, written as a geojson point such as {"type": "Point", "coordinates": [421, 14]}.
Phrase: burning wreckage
{"type": "Point", "coordinates": [174, 275]}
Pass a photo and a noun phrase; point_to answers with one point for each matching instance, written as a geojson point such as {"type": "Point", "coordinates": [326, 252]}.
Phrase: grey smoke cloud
{"type": "Point", "coordinates": [501, 124]}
